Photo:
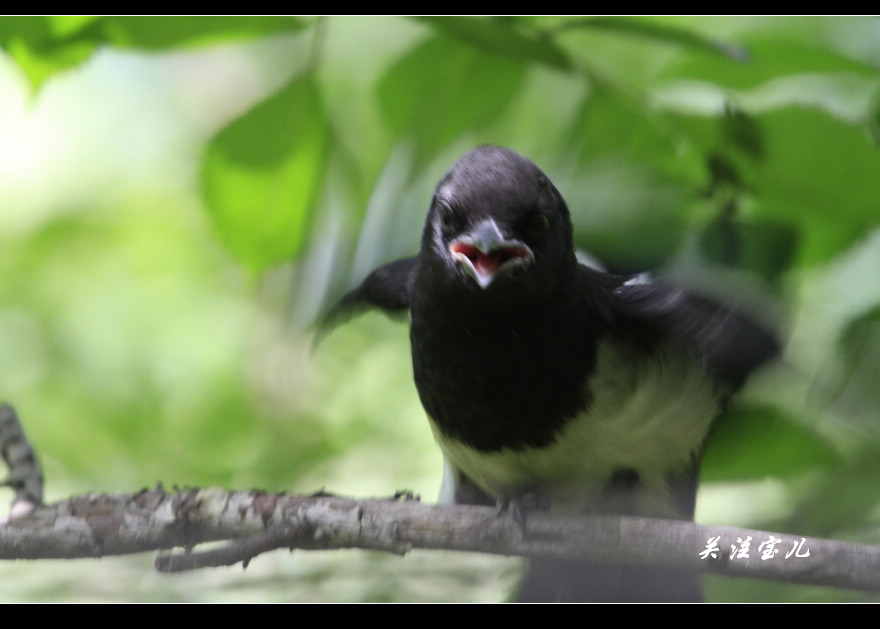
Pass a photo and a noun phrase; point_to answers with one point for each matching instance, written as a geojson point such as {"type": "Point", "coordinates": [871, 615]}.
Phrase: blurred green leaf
{"type": "Point", "coordinates": [741, 132]}
{"type": "Point", "coordinates": [443, 89]}
{"type": "Point", "coordinates": [770, 57]}
{"type": "Point", "coordinates": [263, 173]}
{"type": "Point", "coordinates": [659, 31]}
{"type": "Point", "coordinates": [610, 122]}
{"type": "Point", "coordinates": [852, 391]}
{"type": "Point", "coordinates": [764, 248]}
{"type": "Point", "coordinates": [158, 32]}
{"type": "Point", "coordinates": [41, 32]}
{"type": "Point", "coordinates": [818, 173]}
{"type": "Point", "coordinates": [792, 166]}
{"type": "Point", "coordinates": [761, 441]}
{"type": "Point", "coordinates": [69, 25]}
{"type": "Point", "coordinates": [842, 504]}
{"type": "Point", "coordinates": [43, 46]}
{"type": "Point", "coordinates": [630, 200]}
{"type": "Point", "coordinates": [503, 37]}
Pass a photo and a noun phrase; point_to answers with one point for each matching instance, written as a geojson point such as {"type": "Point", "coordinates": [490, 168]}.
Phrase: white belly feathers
{"type": "Point", "coordinates": [649, 413]}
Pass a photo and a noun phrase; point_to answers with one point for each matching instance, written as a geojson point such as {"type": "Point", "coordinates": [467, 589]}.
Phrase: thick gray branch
{"type": "Point", "coordinates": [255, 522]}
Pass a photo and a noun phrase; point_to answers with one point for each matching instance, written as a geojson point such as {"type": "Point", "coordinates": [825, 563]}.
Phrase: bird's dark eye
{"type": "Point", "coordinates": [449, 220]}
{"type": "Point", "coordinates": [540, 223]}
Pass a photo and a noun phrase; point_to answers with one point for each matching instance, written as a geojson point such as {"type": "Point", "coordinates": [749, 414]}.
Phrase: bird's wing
{"type": "Point", "coordinates": [387, 288]}
{"type": "Point", "coordinates": [731, 342]}
{"type": "Point", "coordinates": [731, 345]}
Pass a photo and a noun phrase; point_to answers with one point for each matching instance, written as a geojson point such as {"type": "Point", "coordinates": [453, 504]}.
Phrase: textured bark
{"type": "Point", "coordinates": [254, 522]}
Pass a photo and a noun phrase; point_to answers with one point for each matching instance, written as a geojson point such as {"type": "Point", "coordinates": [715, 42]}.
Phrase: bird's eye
{"type": "Point", "coordinates": [448, 219]}
{"type": "Point", "coordinates": [540, 223]}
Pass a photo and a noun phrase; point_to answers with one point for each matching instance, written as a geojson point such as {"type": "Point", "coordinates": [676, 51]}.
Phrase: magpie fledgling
{"type": "Point", "coordinates": [547, 379]}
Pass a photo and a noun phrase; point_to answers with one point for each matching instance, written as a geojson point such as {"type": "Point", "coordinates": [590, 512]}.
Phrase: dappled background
{"type": "Point", "coordinates": [180, 198]}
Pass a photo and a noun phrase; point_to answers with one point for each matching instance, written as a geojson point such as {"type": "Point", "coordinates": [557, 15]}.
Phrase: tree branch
{"type": "Point", "coordinates": [25, 474]}
{"type": "Point", "coordinates": [253, 522]}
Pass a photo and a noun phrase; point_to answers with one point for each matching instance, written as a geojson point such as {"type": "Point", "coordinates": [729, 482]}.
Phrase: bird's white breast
{"type": "Point", "coordinates": [650, 413]}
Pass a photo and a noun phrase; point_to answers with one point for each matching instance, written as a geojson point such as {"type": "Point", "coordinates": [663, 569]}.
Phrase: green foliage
{"type": "Point", "coordinates": [146, 161]}
{"type": "Point", "coordinates": [450, 89]}
{"type": "Point", "coordinates": [503, 38]}
{"type": "Point", "coordinates": [263, 174]}
{"type": "Point", "coordinates": [46, 45]}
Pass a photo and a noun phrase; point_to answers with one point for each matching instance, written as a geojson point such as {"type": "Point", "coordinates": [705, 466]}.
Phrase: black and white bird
{"type": "Point", "coordinates": [542, 377]}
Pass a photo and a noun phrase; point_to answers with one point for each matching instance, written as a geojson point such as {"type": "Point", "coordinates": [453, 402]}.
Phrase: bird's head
{"type": "Point", "coordinates": [497, 225]}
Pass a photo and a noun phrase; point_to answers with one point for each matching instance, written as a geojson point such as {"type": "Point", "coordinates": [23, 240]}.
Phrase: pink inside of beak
{"type": "Point", "coordinates": [487, 263]}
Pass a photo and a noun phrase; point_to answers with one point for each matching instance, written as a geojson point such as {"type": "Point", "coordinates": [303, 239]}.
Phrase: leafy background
{"type": "Point", "coordinates": [181, 197]}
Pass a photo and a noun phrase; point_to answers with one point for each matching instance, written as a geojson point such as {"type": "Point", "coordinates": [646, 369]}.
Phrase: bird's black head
{"type": "Point", "coordinates": [497, 226]}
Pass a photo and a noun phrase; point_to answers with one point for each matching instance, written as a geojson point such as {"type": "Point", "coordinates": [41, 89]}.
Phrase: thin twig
{"type": "Point", "coordinates": [25, 475]}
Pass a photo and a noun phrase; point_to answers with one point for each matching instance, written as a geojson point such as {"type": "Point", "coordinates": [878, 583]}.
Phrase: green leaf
{"type": "Point", "coordinates": [502, 36]}
{"type": "Point", "coordinates": [45, 45]}
{"type": "Point", "coordinates": [763, 247]}
{"type": "Point", "coordinates": [158, 32]}
{"type": "Point", "coordinates": [770, 58]}
{"type": "Point", "coordinates": [263, 174]}
{"type": "Point", "coordinates": [39, 66]}
{"type": "Point", "coordinates": [817, 172]}
{"type": "Point", "coordinates": [741, 132]}
{"type": "Point", "coordinates": [661, 32]}
{"type": "Point", "coordinates": [752, 443]}
{"type": "Point", "coordinates": [42, 46]}
{"type": "Point", "coordinates": [793, 166]}
{"type": "Point", "coordinates": [852, 389]}
{"type": "Point", "coordinates": [442, 89]}
{"type": "Point", "coordinates": [611, 122]}
{"type": "Point", "coordinates": [843, 501]}
{"type": "Point", "coordinates": [66, 26]}
{"type": "Point", "coordinates": [34, 31]}
{"type": "Point", "coordinates": [630, 199]}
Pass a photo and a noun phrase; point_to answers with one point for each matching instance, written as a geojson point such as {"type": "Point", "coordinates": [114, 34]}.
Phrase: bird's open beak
{"type": "Point", "coordinates": [485, 254]}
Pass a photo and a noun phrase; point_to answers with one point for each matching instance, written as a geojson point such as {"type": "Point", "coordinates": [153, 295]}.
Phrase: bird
{"type": "Point", "coordinates": [550, 382]}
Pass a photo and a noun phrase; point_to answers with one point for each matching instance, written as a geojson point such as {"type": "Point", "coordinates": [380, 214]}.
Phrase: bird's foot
{"type": "Point", "coordinates": [518, 506]}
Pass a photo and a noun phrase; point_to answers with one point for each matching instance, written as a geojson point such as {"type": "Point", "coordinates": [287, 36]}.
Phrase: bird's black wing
{"type": "Point", "coordinates": [731, 343]}
{"type": "Point", "coordinates": [387, 288]}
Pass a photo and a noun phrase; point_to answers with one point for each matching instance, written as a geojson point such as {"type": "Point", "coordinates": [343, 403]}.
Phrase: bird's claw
{"type": "Point", "coordinates": [519, 505]}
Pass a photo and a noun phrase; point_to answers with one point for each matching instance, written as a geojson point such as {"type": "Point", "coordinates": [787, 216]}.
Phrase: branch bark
{"type": "Point", "coordinates": [254, 522]}
{"type": "Point", "coordinates": [25, 475]}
